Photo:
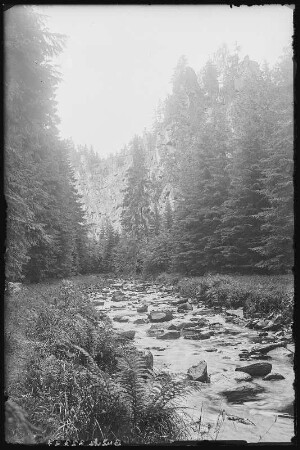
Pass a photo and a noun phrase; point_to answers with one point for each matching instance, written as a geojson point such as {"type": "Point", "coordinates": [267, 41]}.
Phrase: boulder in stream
{"type": "Point", "coordinates": [198, 372]}
{"type": "Point", "coordinates": [170, 334]}
{"type": "Point", "coordinates": [242, 376]}
{"type": "Point", "coordinates": [257, 369]}
{"type": "Point", "coordinates": [192, 337]}
{"type": "Point", "coordinates": [118, 297]}
{"type": "Point", "coordinates": [143, 308]}
{"type": "Point", "coordinates": [201, 321]}
{"type": "Point", "coordinates": [176, 325]}
{"type": "Point", "coordinates": [196, 334]}
{"type": "Point", "coordinates": [141, 320]}
{"type": "Point", "coordinates": [240, 394]}
{"type": "Point", "coordinates": [121, 318]}
{"type": "Point", "coordinates": [155, 331]}
{"type": "Point", "coordinates": [160, 316]}
{"type": "Point", "coordinates": [273, 376]}
{"type": "Point", "coordinates": [190, 330]}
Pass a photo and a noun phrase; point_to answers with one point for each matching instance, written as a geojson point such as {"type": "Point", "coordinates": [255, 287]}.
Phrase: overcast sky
{"type": "Point", "coordinates": [119, 60]}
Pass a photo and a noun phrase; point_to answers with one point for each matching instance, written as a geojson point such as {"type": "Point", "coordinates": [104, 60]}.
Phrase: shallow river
{"type": "Point", "coordinates": [267, 413]}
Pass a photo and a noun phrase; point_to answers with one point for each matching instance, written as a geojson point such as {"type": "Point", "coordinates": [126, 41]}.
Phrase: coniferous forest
{"type": "Point", "coordinates": [231, 165]}
{"type": "Point", "coordinates": [229, 160]}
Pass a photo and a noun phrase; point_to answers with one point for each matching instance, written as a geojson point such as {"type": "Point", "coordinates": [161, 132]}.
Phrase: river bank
{"type": "Point", "coordinates": [177, 331]}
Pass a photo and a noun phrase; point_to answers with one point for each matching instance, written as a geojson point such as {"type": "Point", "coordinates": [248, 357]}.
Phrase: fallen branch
{"type": "Point", "coordinates": [266, 348]}
{"type": "Point", "coordinates": [241, 420]}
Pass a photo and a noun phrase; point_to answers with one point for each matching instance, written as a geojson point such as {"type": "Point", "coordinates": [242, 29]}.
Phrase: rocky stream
{"type": "Point", "coordinates": [244, 375]}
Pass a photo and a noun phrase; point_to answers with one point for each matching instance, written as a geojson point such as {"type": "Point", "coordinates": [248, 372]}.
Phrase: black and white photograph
{"type": "Point", "coordinates": [149, 252]}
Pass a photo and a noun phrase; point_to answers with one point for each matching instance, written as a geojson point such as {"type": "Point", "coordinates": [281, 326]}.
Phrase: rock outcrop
{"type": "Point", "coordinates": [101, 183]}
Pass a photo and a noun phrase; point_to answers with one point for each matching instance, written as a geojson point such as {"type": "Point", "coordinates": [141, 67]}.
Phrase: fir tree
{"type": "Point", "coordinates": [276, 219]}
{"type": "Point", "coordinates": [45, 226]}
{"type": "Point", "coordinates": [136, 207]}
{"type": "Point", "coordinates": [30, 121]}
{"type": "Point", "coordinates": [240, 231]}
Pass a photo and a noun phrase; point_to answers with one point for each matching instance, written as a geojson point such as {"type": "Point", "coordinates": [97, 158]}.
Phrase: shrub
{"type": "Point", "coordinates": [171, 279]}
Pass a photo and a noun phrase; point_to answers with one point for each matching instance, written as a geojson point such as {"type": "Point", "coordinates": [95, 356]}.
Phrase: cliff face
{"type": "Point", "coordinates": [101, 183]}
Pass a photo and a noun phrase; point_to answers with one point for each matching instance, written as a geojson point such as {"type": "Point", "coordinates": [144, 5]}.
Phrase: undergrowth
{"type": "Point", "coordinates": [257, 295]}
{"type": "Point", "coordinates": [75, 379]}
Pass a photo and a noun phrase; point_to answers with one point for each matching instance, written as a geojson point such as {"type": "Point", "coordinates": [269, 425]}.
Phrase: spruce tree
{"type": "Point", "coordinates": [45, 223]}
{"type": "Point", "coordinates": [203, 184]}
{"type": "Point", "coordinates": [30, 120]}
{"type": "Point", "coordinates": [277, 220]}
{"type": "Point", "coordinates": [136, 207]}
{"type": "Point", "coordinates": [241, 232]}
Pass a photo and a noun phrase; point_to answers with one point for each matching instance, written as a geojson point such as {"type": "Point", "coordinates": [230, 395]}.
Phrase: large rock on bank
{"type": "Point", "coordinates": [170, 334]}
{"type": "Point", "coordinates": [160, 316]}
{"type": "Point", "coordinates": [198, 372]}
{"type": "Point", "coordinates": [256, 370]}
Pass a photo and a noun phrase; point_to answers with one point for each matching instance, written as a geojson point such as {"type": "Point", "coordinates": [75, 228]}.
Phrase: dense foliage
{"type": "Point", "coordinates": [46, 236]}
{"type": "Point", "coordinates": [229, 157]}
{"type": "Point", "coordinates": [260, 296]}
{"type": "Point", "coordinates": [226, 152]}
{"type": "Point", "coordinates": [76, 378]}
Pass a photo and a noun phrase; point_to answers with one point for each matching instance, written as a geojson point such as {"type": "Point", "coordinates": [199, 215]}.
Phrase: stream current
{"type": "Point", "coordinates": [264, 415]}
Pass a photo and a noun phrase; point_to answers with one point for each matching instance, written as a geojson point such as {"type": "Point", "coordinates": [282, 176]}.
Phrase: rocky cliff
{"type": "Point", "coordinates": [101, 182]}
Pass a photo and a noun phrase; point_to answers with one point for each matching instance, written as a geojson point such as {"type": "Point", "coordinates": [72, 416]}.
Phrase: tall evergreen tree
{"type": "Point", "coordinates": [45, 219]}
{"type": "Point", "coordinates": [203, 184]}
{"type": "Point", "coordinates": [30, 119]}
{"type": "Point", "coordinates": [136, 207]}
{"type": "Point", "coordinates": [111, 238]}
{"type": "Point", "coordinates": [276, 247]}
{"type": "Point", "coordinates": [240, 231]}
{"type": "Point", "coordinates": [168, 216]}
